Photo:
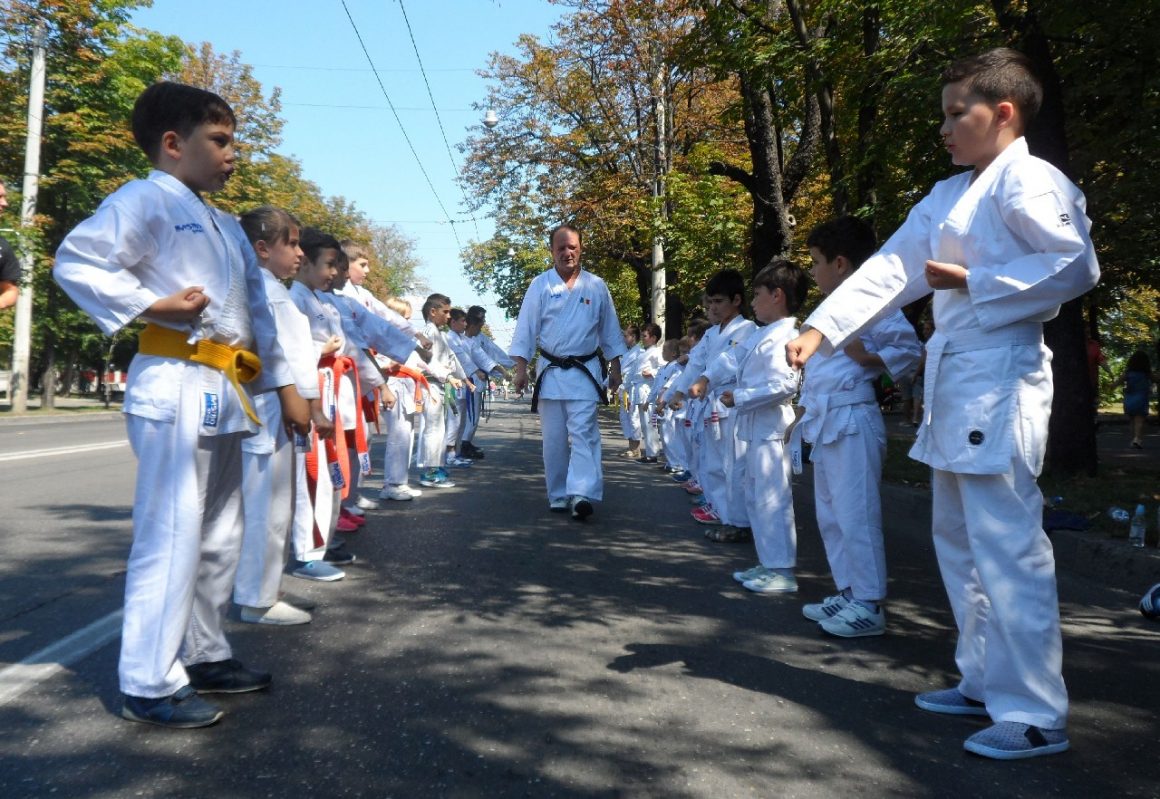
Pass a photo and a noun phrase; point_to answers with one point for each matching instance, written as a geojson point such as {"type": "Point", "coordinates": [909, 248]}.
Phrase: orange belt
{"type": "Point", "coordinates": [240, 366]}
{"type": "Point", "coordinates": [398, 370]}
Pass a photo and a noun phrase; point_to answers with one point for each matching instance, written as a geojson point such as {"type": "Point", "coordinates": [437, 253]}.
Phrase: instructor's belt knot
{"type": "Point", "coordinates": [567, 362]}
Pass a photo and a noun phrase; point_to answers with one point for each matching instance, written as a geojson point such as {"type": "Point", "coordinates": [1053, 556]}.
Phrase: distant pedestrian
{"type": "Point", "coordinates": [9, 263]}
{"type": "Point", "coordinates": [1137, 382]}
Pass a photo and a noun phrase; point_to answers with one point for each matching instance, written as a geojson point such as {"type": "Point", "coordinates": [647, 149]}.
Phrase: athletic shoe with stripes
{"type": "Point", "coordinates": [856, 620]}
{"type": "Point", "coordinates": [828, 607]}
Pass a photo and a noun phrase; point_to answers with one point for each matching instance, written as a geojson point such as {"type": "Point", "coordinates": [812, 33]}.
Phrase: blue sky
{"type": "Point", "coordinates": [337, 120]}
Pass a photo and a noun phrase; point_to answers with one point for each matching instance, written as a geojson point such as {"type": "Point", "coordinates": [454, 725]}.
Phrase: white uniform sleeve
{"type": "Point", "coordinates": [775, 382]}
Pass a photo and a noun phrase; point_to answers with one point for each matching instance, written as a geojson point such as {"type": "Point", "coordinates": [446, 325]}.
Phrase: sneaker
{"type": "Point", "coordinates": [646, 459]}
{"type": "Point", "coordinates": [318, 570]}
{"type": "Point", "coordinates": [772, 583]}
{"type": "Point", "coordinates": [951, 702]}
{"type": "Point", "coordinates": [558, 505]}
{"type": "Point", "coordinates": [355, 515]}
{"type": "Point", "coordinates": [706, 515]}
{"type": "Point", "coordinates": [692, 487]}
{"type": "Point", "coordinates": [345, 525]}
{"type": "Point", "coordinates": [828, 607]}
{"type": "Point", "coordinates": [226, 677]}
{"type": "Point", "coordinates": [366, 503]}
{"type": "Point", "coordinates": [455, 460]}
{"type": "Point", "coordinates": [856, 620]}
{"type": "Point", "coordinates": [339, 557]}
{"type": "Point", "coordinates": [280, 613]}
{"type": "Point", "coordinates": [294, 600]}
{"type": "Point", "coordinates": [1013, 740]}
{"type": "Point", "coordinates": [683, 476]}
{"type": "Point", "coordinates": [396, 494]}
{"type": "Point", "coordinates": [443, 473]}
{"type": "Point", "coordinates": [183, 710]}
{"type": "Point", "coordinates": [429, 479]}
{"type": "Point", "coordinates": [750, 574]}
{"type": "Point", "coordinates": [437, 480]}
{"type": "Point", "coordinates": [581, 508]}
{"type": "Point", "coordinates": [414, 492]}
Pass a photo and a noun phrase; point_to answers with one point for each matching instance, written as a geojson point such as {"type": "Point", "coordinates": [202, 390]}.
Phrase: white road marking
{"type": "Point", "coordinates": [45, 453]}
{"type": "Point", "coordinates": [20, 677]}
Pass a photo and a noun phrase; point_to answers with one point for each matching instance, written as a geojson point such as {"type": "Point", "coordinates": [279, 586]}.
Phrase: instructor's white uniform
{"type": "Point", "coordinates": [567, 322]}
{"type": "Point", "coordinates": [148, 240]}
{"type": "Point", "coordinates": [1021, 230]}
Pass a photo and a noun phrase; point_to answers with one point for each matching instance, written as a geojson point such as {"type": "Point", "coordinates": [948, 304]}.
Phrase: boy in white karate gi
{"type": "Point", "coordinates": [443, 371]}
{"type": "Point", "coordinates": [764, 388]}
{"type": "Point", "coordinates": [671, 353]}
{"type": "Point", "coordinates": [568, 315]}
{"type": "Point", "coordinates": [154, 250]}
{"type": "Point", "coordinates": [721, 451]}
{"type": "Point", "coordinates": [1001, 246]}
{"type": "Point", "coordinates": [493, 361]}
{"type": "Point", "coordinates": [644, 373]}
{"type": "Point", "coordinates": [630, 373]}
{"type": "Point", "coordinates": [842, 421]}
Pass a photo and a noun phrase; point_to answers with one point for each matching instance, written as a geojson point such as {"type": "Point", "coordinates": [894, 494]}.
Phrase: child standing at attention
{"type": "Point", "coordinates": [155, 250]}
{"type": "Point", "coordinates": [268, 457]}
{"type": "Point", "coordinates": [761, 399]}
{"type": "Point", "coordinates": [843, 422]}
{"type": "Point", "coordinates": [1001, 246]}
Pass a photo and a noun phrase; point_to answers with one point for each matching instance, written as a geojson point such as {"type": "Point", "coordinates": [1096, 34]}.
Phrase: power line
{"type": "Point", "coordinates": [438, 119]}
{"type": "Point", "coordinates": [354, 69]}
{"type": "Point", "coordinates": [414, 152]}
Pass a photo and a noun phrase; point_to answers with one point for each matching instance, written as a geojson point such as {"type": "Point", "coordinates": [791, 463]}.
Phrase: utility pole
{"type": "Point", "coordinates": [23, 333]}
{"type": "Point", "coordinates": [659, 191]}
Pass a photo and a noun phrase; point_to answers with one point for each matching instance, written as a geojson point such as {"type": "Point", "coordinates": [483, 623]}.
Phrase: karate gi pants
{"type": "Point", "coordinates": [431, 441]}
{"type": "Point", "coordinates": [999, 571]}
{"type": "Point", "coordinates": [848, 505]}
{"type": "Point", "coordinates": [766, 473]}
{"type": "Point", "coordinates": [268, 502]}
{"type": "Point", "coordinates": [323, 510]}
{"type": "Point", "coordinates": [719, 457]}
{"type": "Point", "coordinates": [571, 449]}
{"type": "Point", "coordinates": [187, 531]}
{"type": "Point", "coordinates": [649, 437]}
{"type": "Point", "coordinates": [629, 422]}
{"type": "Point", "coordinates": [673, 441]}
{"type": "Point", "coordinates": [469, 416]}
{"type": "Point", "coordinates": [400, 442]}
{"type": "Point", "coordinates": [453, 421]}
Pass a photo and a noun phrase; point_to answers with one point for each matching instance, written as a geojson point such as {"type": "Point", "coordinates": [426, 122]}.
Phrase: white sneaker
{"type": "Point", "coordinates": [396, 493]}
{"type": "Point", "coordinates": [280, 613]}
{"type": "Point", "coordinates": [820, 611]}
{"type": "Point", "coordinates": [750, 574]}
{"type": "Point", "coordinates": [558, 505]}
{"type": "Point", "coordinates": [366, 503]}
{"type": "Point", "coordinates": [855, 620]}
{"type": "Point", "coordinates": [414, 492]}
{"type": "Point", "coordinates": [772, 583]}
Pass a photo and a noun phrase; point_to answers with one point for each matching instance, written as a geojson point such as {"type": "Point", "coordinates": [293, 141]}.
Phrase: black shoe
{"type": "Point", "coordinates": [646, 459]}
{"type": "Point", "coordinates": [581, 508]}
{"type": "Point", "coordinates": [183, 710]}
{"type": "Point", "coordinates": [226, 677]}
{"type": "Point", "coordinates": [338, 556]}
{"type": "Point", "coordinates": [469, 450]}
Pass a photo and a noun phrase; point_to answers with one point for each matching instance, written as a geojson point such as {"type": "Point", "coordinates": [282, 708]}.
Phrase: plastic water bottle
{"type": "Point", "coordinates": [1136, 531]}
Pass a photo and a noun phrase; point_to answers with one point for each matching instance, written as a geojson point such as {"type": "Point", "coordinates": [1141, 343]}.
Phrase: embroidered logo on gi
{"type": "Point", "coordinates": [1064, 219]}
{"type": "Point", "coordinates": [975, 437]}
{"type": "Point", "coordinates": [189, 227]}
{"type": "Point", "coordinates": [585, 301]}
{"type": "Point", "coordinates": [212, 409]}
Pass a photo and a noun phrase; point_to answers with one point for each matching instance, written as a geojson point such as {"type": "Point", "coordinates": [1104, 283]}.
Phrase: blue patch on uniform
{"type": "Point", "coordinates": [213, 408]}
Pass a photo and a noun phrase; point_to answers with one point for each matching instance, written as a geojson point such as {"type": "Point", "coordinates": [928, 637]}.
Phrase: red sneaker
{"type": "Point", "coordinates": [706, 515]}
{"type": "Point", "coordinates": [345, 525]}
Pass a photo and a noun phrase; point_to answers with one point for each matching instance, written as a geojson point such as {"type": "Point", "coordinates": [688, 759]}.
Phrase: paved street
{"type": "Point", "coordinates": [484, 647]}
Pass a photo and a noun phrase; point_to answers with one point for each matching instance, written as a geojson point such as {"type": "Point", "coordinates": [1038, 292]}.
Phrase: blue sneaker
{"type": "Point", "coordinates": [951, 702]}
{"type": "Point", "coordinates": [183, 710]}
{"type": "Point", "coordinates": [682, 477]}
{"type": "Point", "coordinates": [1012, 740]}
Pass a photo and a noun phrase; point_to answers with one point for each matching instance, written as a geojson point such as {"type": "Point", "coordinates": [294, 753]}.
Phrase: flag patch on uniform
{"type": "Point", "coordinates": [209, 417]}
{"type": "Point", "coordinates": [585, 301]}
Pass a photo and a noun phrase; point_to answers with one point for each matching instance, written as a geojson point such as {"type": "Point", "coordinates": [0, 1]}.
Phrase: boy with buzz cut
{"type": "Point", "coordinates": [841, 419]}
{"type": "Point", "coordinates": [155, 250]}
{"type": "Point", "coordinates": [1001, 246]}
{"type": "Point", "coordinates": [761, 402]}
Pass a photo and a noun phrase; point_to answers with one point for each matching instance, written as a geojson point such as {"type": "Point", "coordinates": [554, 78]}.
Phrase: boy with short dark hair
{"type": "Point", "coordinates": [154, 250]}
{"type": "Point", "coordinates": [761, 399]}
{"type": "Point", "coordinates": [1001, 246]}
{"type": "Point", "coordinates": [842, 421]}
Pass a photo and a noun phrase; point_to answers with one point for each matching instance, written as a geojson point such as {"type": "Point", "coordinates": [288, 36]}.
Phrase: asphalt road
{"type": "Point", "coordinates": [484, 647]}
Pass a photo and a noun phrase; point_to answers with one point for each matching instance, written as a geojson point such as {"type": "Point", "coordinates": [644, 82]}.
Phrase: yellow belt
{"type": "Point", "coordinates": [239, 365]}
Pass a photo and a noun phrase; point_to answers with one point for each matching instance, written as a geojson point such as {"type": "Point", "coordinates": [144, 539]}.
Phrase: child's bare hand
{"type": "Point", "coordinates": [295, 410]}
{"type": "Point", "coordinates": [323, 426]}
{"type": "Point", "coordinates": [332, 345]}
{"type": "Point", "coordinates": [389, 398]}
{"type": "Point", "coordinates": [181, 306]}
{"type": "Point", "coordinates": [424, 343]}
{"type": "Point", "coordinates": [698, 389]}
{"type": "Point", "coordinates": [945, 276]}
{"type": "Point", "coordinates": [802, 348]}
{"type": "Point", "coordinates": [727, 398]}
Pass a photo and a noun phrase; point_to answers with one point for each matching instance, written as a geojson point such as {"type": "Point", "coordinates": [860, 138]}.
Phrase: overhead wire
{"type": "Point", "coordinates": [434, 107]}
{"type": "Point", "coordinates": [398, 120]}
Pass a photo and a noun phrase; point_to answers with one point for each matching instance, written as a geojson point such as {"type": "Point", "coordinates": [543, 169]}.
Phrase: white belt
{"type": "Point", "coordinates": [819, 406]}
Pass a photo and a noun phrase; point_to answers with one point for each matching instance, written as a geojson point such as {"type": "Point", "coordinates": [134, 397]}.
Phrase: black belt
{"type": "Point", "coordinates": [567, 362]}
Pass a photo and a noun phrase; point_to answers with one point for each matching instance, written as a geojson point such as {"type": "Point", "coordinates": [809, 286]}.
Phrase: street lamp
{"type": "Point", "coordinates": [490, 120]}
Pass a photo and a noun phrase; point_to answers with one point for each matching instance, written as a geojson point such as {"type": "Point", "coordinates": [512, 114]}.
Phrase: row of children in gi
{"type": "Point", "coordinates": [241, 382]}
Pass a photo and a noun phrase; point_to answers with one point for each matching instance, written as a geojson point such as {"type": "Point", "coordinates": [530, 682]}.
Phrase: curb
{"type": "Point", "coordinates": [56, 417]}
